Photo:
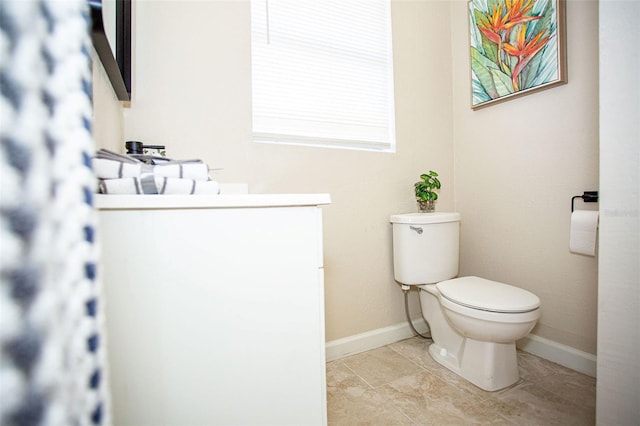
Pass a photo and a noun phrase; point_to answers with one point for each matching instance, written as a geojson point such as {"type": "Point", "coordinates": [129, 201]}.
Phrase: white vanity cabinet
{"type": "Point", "coordinates": [214, 308]}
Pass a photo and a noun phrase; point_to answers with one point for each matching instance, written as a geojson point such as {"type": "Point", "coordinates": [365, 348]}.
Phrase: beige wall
{"type": "Point", "coordinates": [517, 165]}
{"type": "Point", "coordinates": [108, 121]}
{"type": "Point", "coordinates": [191, 92]}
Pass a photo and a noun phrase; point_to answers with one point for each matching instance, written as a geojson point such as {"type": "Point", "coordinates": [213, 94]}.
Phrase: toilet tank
{"type": "Point", "coordinates": [425, 247]}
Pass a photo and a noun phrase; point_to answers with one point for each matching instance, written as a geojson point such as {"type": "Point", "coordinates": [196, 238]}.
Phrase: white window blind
{"type": "Point", "coordinates": [322, 73]}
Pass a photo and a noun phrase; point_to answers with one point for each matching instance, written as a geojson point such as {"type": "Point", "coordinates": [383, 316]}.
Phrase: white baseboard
{"type": "Point", "coordinates": [373, 339]}
{"type": "Point", "coordinates": [564, 355]}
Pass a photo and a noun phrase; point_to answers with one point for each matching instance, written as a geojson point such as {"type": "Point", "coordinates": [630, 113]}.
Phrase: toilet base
{"type": "Point", "coordinates": [490, 366]}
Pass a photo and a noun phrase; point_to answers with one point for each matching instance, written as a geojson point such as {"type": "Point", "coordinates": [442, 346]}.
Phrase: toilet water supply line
{"type": "Point", "coordinates": [405, 290]}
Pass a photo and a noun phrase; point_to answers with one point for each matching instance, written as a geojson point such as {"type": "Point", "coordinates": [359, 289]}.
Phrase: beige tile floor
{"type": "Point", "coordinates": [400, 384]}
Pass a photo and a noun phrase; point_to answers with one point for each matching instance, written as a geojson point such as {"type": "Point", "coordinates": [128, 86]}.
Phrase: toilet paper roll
{"type": "Point", "coordinates": [584, 232]}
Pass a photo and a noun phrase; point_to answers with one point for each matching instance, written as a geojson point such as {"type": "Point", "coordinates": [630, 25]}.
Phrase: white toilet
{"type": "Point", "coordinates": [474, 322]}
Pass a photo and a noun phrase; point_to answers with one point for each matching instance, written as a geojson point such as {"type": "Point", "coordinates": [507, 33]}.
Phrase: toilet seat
{"type": "Point", "coordinates": [490, 296]}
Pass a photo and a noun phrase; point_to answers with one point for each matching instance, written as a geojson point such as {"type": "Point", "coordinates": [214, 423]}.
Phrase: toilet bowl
{"type": "Point", "coordinates": [474, 322]}
{"type": "Point", "coordinates": [474, 340]}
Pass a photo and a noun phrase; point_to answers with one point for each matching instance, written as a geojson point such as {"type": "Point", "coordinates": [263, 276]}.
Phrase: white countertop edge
{"type": "Point", "coordinates": [148, 201]}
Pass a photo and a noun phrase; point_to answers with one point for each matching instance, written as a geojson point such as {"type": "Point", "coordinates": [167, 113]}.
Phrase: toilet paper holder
{"type": "Point", "coordinates": [587, 197]}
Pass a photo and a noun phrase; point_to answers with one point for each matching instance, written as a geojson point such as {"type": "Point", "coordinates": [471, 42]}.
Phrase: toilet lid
{"type": "Point", "coordinates": [486, 295]}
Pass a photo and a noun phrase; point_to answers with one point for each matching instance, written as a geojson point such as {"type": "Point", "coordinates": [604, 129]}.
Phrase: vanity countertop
{"type": "Point", "coordinates": [148, 201]}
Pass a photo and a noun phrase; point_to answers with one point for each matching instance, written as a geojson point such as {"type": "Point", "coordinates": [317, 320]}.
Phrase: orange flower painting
{"type": "Point", "coordinates": [517, 46]}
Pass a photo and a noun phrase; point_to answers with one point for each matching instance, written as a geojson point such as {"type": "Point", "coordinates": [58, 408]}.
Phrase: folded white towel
{"type": "Point", "coordinates": [158, 185]}
{"type": "Point", "coordinates": [110, 169]}
{"type": "Point", "coordinates": [183, 170]}
{"type": "Point", "coordinates": [120, 186]}
{"type": "Point", "coordinates": [168, 185]}
{"type": "Point", "coordinates": [123, 174]}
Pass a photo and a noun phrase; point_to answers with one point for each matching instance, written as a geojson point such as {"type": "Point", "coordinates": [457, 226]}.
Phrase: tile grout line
{"type": "Point", "coordinates": [358, 376]}
{"type": "Point", "coordinates": [408, 359]}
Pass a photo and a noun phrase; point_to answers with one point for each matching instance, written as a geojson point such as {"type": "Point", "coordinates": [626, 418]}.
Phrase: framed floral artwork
{"type": "Point", "coordinates": [517, 47]}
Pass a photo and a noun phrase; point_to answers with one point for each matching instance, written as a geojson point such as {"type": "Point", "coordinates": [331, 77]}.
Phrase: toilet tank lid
{"type": "Point", "coordinates": [486, 295]}
{"type": "Point", "coordinates": [425, 218]}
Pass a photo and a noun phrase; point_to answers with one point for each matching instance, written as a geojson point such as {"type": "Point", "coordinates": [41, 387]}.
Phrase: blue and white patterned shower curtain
{"type": "Point", "coordinates": [52, 358]}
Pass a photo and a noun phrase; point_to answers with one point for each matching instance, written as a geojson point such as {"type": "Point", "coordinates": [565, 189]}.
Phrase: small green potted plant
{"type": "Point", "coordinates": [425, 191]}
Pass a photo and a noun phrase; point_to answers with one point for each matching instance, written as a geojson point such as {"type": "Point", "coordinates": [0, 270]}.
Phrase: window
{"type": "Point", "coordinates": [322, 73]}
